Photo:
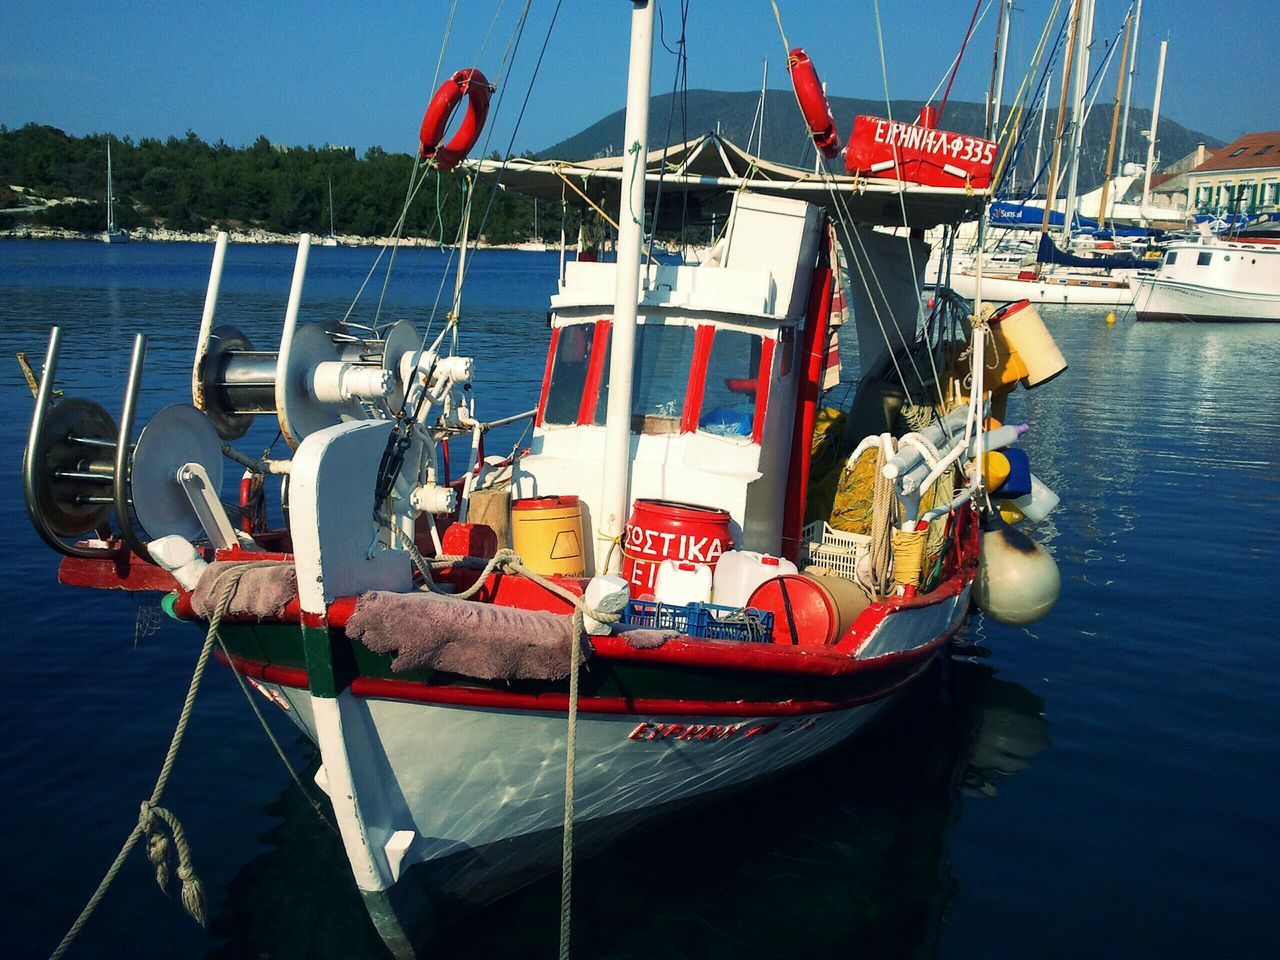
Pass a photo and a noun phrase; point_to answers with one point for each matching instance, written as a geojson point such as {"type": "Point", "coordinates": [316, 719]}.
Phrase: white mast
{"type": "Point", "coordinates": [1128, 92]}
{"type": "Point", "coordinates": [1151, 134]}
{"type": "Point", "coordinates": [764, 86]}
{"type": "Point", "coordinates": [1006, 13]}
{"type": "Point", "coordinates": [1044, 112]}
{"type": "Point", "coordinates": [1077, 118]}
{"type": "Point", "coordinates": [111, 198]}
{"type": "Point", "coordinates": [617, 431]}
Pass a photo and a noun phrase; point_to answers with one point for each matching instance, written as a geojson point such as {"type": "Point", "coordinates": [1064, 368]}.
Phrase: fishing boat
{"type": "Point", "coordinates": [112, 234]}
{"type": "Point", "coordinates": [1213, 279]}
{"type": "Point", "coordinates": [694, 577]}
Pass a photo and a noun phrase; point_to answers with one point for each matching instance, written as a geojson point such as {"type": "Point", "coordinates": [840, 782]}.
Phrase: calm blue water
{"type": "Point", "coordinates": [1102, 784]}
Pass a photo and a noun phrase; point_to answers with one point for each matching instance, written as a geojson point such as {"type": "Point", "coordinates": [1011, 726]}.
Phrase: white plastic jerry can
{"type": "Point", "coordinates": [682, 581]}
{"type": "Point", "coordinates": [739, 572]}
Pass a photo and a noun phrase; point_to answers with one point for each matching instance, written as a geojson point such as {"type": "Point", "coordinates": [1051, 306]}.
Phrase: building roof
{"type": "Point", "coordinates": [1246, 153]}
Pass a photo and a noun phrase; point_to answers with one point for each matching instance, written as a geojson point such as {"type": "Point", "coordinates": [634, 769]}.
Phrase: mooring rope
{"type": "Point", "coordinates": [508, 560]}
{"type": "Point", "coordinates": [151, 814]}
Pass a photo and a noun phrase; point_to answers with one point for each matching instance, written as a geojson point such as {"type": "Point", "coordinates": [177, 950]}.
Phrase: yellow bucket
{"type": "Point", "coordinates": [547, 534]}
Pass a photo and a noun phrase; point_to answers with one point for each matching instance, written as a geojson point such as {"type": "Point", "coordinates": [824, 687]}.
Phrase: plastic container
{"type": "Point", "coordinates": [1025, 345]}
{"type": "Point", "coordinates": [605, 593]}
{"type": "Point", "coordinates": [710, 621]}
{"type": "Point", "coordinates": [739, 572]}
{"type": "Point", "coordinates": [809, 610]}
{"type": "Point", "coordinates": [1018, 483]}
{"type": "Point", "coordinates": [547, 534]}
{"type": "Point", "coordinates": [1039, 503]}
{"type": "Point", "coordinates": [837, 551]}
{"type": "Point", "coordinates": [663, 530]}
{"type": "Point", "coordinates": [682, 581]}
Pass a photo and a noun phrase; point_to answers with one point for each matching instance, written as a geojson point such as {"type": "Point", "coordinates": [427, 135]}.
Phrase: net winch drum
{"type": "Point", "coordinates": [313, 382]}
{"type": "Point", "coordinates": [79, 468]}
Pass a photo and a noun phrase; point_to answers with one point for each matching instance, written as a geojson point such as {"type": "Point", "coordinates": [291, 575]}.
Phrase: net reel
{"type": "Point", "coordinates": [79, 469]}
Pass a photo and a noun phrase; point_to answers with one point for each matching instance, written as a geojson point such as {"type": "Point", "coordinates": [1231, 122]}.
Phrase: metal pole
{"type": "Point", "coordinates": [1115, 120]}
{"type": "Point", "coordinates": [206, 318]}
{"type": "Point", "coordinates": [1077, 120]}
{"type": "Point", "coordinates": [124, 449]}
{"type": "Point", "coordinates": [617, 439]}
{"type": "Point", "coordinates": [1128, 93]}
{"type": "Point", "coordinates": [1151, 134]}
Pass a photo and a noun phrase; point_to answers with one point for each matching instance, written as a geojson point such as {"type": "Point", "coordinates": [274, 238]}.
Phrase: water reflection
{"type": "Point", "coordinates": [847, 856]}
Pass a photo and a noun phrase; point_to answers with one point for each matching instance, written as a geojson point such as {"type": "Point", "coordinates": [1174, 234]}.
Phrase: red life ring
{"type": "Point", "coordinates": [472, 84]}
{"type": "Point", "coordinates": [813, 103]}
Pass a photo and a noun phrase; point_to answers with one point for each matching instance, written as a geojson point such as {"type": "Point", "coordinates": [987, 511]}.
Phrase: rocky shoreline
{"type": "Point", "coordinates": [165, 235]}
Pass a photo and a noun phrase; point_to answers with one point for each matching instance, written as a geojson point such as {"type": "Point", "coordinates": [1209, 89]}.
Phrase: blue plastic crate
{"type": "Point", "coordinates": [711, 621]}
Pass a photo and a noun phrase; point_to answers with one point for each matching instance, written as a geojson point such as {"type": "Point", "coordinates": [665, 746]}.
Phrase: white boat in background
{"type": "Point", "coordinates": [1070, 287]}
{"type": "Point", "coordinates": [331, 240]}
{"type": "Point", "coordinates": [112, 234]}
{"type": "Point", "coordinates": [1214, 280]}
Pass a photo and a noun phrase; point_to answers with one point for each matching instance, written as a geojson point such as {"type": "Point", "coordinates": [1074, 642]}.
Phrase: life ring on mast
{"type": "Point", "coordinates": [813, 103]}
{"type": "Point", "coordinates": [469, 83]}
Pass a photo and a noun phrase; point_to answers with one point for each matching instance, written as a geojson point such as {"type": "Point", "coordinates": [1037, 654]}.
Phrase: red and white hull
{"type": "Point", "coordinates": [1072, 288]}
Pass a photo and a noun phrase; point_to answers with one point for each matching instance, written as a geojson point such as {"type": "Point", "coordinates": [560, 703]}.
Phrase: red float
{"type": "Point", "coordinates": [470, 83]}
{"type": "Point", "coordinates": [813, 103]}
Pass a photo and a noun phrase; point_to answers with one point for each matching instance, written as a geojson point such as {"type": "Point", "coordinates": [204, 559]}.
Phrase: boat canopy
{"type": "Point", "coordinates": [1049, 253]}
{"type": "Point", "coordinates": [709, 169]}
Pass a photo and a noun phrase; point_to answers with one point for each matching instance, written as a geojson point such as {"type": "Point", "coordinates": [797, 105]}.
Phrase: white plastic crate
{"type": "Point", "coordinates": [837, 550]}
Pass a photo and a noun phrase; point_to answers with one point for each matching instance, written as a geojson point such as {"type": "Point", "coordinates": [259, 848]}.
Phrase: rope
{"type": "Point", "coordinates": [509, 561]}
{"type": "Point", "coordinates": [151, 814]}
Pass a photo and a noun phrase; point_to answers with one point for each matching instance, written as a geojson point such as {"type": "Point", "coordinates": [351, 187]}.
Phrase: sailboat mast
{"type": "Point", "coordinates": [111, 198]}
{"type": "Point", "coordinates": [1115, 122]}
{"type": "Point", "coordinates": [1077, 119]}
{"type": "Point", "coordinates": [1128, 92]}
{"type": "Point", "coordinates": [1044, 113]}
{"type": "Point", "coordinates": [330, 206]}
{"type": "Point", "coordinates": [617, 435]}
{"type": "Point", "coordinates": [997, 84]}
{"type": "Point", "coordinates": [764, 86]}
{"type": "Point", "coordinates": [1151, 134]}
{"type": "Point", "coordinates": [1052, 191]}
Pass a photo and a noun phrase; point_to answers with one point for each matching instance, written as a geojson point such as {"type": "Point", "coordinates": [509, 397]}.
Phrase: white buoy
{"type": "Point", "coordinates": [1018, 580]}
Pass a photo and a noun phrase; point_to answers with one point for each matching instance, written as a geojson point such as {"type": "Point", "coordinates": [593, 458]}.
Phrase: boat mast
{"type": "Point", "coordinates": [764, 86]}
{"type": "Point", "coordinates": [1128, 93]}
{"type": "Point", "coordinates": [617, 431]}
{"type": "Point", "coordinates": [1115, 121]}
{"type": "Point", "coordinates": [1151, 134]}
{"type": "Point", "coordinates": [997, 84]}
{"type": "Point", "coordinates": [330, 205]}
{"type": "Point", "coordinates": [1044, 113]}
{"type": "Point", "coordinates": [111, 198]}
{"type": "Point", "coordinates": [1077, 119]}
{"type": "Point", "coordinates": [1052, 190]}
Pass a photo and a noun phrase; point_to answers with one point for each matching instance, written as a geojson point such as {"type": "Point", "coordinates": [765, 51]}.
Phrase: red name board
{"type": "Point", "coordinates": [919, 154]}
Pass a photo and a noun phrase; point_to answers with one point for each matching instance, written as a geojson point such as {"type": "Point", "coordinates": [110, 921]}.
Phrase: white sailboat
{"type": "Point", "coordinates": [112, 234]}
{"type": "Point", "coordinates": [331, 240]}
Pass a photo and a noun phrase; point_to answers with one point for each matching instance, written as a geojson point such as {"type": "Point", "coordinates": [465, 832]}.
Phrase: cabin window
{"type": "Point", "coordinates": [1171, 258]}
{"type": "Point", "coordinates": [732, 384]}
{"type": "Point", "coordinates": [569, 373]}
{"type": "Point", "coordinates": [664, 354]}
{"type": "Point", "coordinates": [1204, 258]}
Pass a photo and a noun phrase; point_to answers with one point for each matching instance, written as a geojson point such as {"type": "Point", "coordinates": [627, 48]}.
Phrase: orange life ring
{"type": "Point", "coordinates": [813, 103]}
{"type": "Point", "coordinates": [470, 83]}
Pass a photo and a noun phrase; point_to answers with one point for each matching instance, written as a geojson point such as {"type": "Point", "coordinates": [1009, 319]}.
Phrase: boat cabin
{"type": "Point", "coordinates": [718, 368]}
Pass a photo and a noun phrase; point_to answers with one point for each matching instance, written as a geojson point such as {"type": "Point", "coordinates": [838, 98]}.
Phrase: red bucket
{"type": "Point", "coordinates": [663, 530]}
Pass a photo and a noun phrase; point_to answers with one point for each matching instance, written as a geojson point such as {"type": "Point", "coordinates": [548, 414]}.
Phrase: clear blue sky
{"type": "Point", "coordinates": [350, 74]}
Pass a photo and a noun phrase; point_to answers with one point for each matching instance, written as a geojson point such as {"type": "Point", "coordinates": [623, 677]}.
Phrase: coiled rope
{"type": "Point", "coordinates": [152, 817]}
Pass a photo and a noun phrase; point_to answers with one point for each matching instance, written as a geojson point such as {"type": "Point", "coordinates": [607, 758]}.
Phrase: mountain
{"type": "Point", "coordinates": [785, 142]}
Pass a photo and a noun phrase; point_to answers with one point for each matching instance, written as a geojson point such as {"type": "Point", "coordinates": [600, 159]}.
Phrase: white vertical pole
{"type": "Point", "coordinates": [206, 318]}
{"type": "Point", "coordinates": [1077, 117]}
{"type": "Point", "coordinates": [1000, 61]}
{"type": "Point", "coordinates": [1044, 113]}
{"type": "Point", "coordinates": [617, 438]}
{"type": "Point", "coordinates": [1128, 93]}
{"type": "Point", "coordinates": [1151, 134]}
